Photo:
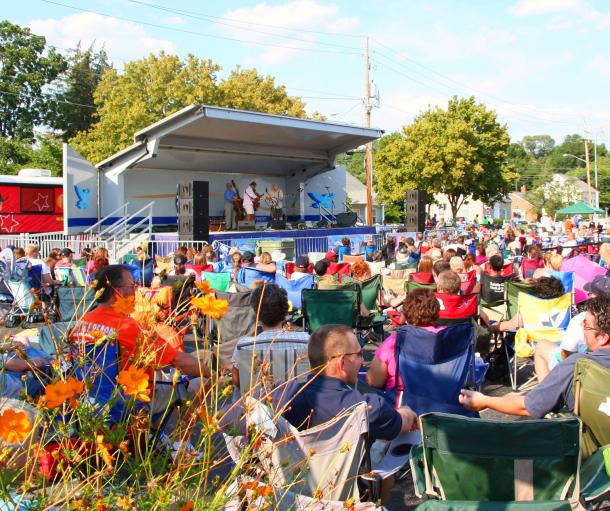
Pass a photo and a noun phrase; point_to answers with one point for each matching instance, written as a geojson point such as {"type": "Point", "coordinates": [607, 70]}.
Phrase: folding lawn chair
{"type": "Point", "coordinates": [54, 337]}
{"type": "Point", "coordinates": [294, 288]}
{"type": "Point", "coordinates": [248, 274]}
{"type": "Point", "coordinates": [410, 285]}
{"type": "Point", "coordinates": [422, 277]}
{"type": "Point", "coordinates": [339, 269]}
{"type": "Point", "coordinates": [74, 302]}
{"type": "Point", "coordinates": [468, 281]}
{"type": "Point", "coordinates": [465, 459]}
{"type": "Point", "coordinates": [434, 367]}
{"type": "Point", "coordinates": [332, 306]}
{"type": "Point", "coordinates": [457, 308]}
{"type": "Point", "coordinates": [218, 281]}
{"type": "Point", "coordinates": [493, 296]}
{"type": "Point", "coordinates": [351, 259]}
{"type": "Point", "coordinates": [376, 267]}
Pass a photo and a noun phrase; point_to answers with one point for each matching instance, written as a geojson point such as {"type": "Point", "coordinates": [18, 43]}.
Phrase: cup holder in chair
{"type": "Point", "coordinates": [401, 450]}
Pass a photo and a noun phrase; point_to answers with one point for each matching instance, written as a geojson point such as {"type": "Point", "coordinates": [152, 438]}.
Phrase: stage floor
{"type": "Point", "coordinates": [289, 233]}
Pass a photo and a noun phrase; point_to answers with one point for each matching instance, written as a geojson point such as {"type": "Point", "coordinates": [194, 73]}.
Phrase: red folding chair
{"type": "Point", "coordinates": [456, 308]}
{"type": "Point", "coordinates": [469, 280]}
{"type": "Point", "coordinates": [422, 277]}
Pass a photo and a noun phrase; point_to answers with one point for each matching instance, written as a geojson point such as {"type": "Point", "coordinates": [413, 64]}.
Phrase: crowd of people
{"type": "Point", "coordinates": [480, 261]}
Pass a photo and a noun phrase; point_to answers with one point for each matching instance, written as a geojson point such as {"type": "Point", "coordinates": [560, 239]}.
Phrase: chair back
{"type": "Point", "coordinates": [468, 281]}
{"type": "Point", "coordinates": [239, 321]}
{"type": "Point", "coordinates": [342, 252]}
{"type": "Point", "coordinates": [370, 292]}
{"type": "Point", "coordinates": [294, 288]}
{"type": "Point", "coordinates": [566, 278]}
{"type": "Point", "coordinates": [62, 273]}
{"type": "Point", "coordinates": [591, 390]}
{"type": "Point", "coordinates": [331, 470]}
{"type": "Point", "coordinates": [422, 277]}
{"type": "Point", "coordinates": [512, 295]}
{"type": "Point", "coordinates": [54, 337]}
{"type": "Point", "coordinates": [376, 267]}
{"type": "Point", "coordinates": [512, 461]}
{"type": "Point", "coordinates": [199, 268]}
{"type": "Point", "coordinates": [80, 277]}
{"type": "Point", "coordinates": [249, 274]}
{"type": "Point", "coordinates": [544, 314]}
{"type": "Point", "coordinates": [74, 302]}
{"type": "Point", "coordinates": [290, 267]}
{"type": "Point", "coordinates": [507, 270]}
{"type": "Point", "coordinates": [351, 259]}
{"type": "Point", "coordinates": [325, 307]}
{"type": "Point", "coordinates": [434, 367]}
{"type": "Point", "coordinates": [410, 285]}
{"type": "Point", "coordinates": [456, 308]}
{"type": "Point", "coordinates": [218, 281]}
{"type": "Point", "coordinates": [277, 361]}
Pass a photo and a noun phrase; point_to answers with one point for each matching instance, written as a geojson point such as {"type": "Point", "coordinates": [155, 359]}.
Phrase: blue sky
{"type": "Point", "coordinates": [542, 65]}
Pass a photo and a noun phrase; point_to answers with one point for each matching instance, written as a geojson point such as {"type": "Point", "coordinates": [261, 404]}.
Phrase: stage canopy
{"type": "Point", "coordinates": [218, 139]}
{"type": "Point", "coordinates": [579, 209]}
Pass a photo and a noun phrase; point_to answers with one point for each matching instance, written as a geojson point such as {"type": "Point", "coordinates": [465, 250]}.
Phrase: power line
{"type": "Point", "coordinates": [54, 99]}
{"type": "Point", "coordinates": [200, 34]}
{"type": "Point", "coordinates": [217, 20]}
{"type": "Point", "coordinates": [322, 32]}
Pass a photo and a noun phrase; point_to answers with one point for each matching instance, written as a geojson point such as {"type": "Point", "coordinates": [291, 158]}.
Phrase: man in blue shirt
{"type": "Point", "coordinates": [335, 357]}
{"type": "Point", "coordinates": [230, 197]}
{"type": "Point", "coordinates": [555, 392]}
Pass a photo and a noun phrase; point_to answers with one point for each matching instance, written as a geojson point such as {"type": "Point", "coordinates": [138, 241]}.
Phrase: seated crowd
{"type": "Point", "coordinates": [432, 284]}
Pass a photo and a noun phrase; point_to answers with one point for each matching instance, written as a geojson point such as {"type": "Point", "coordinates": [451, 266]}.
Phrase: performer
{"type": "Point", "coordinates": [276, 202]}
{"type": "Point", "coordinates": [251, 199]}
{"type": "Point", "coordinates": [230, 197]}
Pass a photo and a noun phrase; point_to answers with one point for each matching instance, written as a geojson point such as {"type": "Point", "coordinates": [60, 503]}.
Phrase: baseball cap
{"type": "Point", "coordinates": [180, 259]}
{"type": "Point", "coordinates": [247, 256]}
{"type": "Point", "coordinates": [599, 286]}
{"type": "Point", "coordinates": [330, 254]}
{"type": "Point", "coordinates": [302, 262]}
{"type": "Point", "coordinates": [65, 252]}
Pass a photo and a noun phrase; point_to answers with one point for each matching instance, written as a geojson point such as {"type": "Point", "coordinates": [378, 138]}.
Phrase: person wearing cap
{"type": "Point", "coordinates": [250, 200]}
{"type": "Point", "coordinates": [555, 393]}
{"type": "Point", "coordinates": [180, 267]}
{"type": "Point", "coordinates": [331, 256]}
{"type": "Point", "coordinates": [548, 354]}
{"type": "Point", "coordinates": [66, 258]}
{"type": "Point", "coordinates": [300, 268]}
{"type": "Point", "coordinates": [247, 259]}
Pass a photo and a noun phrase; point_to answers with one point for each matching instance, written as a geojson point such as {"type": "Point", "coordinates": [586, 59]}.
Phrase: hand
{"type": "Point", "coordinates": [409, 419]}
{"type": "Point", "coordinates": [472, 400]}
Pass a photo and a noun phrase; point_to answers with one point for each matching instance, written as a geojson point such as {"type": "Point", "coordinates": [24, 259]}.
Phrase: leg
{"type": "Point", "coordinates": [228, 216]}
{"type": "Point", "coordinates": [545, 358]}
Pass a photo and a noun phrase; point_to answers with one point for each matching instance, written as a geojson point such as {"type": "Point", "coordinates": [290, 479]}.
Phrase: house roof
{"type": "Point", "coordinates": [355, 189]}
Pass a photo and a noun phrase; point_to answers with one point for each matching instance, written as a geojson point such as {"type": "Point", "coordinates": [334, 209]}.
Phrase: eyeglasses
{"type": "Point", "coordinates": [358, 353]}
{"type": "Point", "coordinates": [588, 327]}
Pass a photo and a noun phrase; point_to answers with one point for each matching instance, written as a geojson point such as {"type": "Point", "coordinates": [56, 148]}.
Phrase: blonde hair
{"type": "Point", "coordinates": [457, 264]}
{"type": "Point", "coordinates": [425, 264]}
{"type": "Point", "coordinates": [555, 261]}
{"type": "Point", "coordinates": [604, 252]}
{"type": "Point", "coordinates": [31, 248]}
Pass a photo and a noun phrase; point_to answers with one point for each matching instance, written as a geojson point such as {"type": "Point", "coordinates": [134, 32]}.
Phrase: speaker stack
{"type": "Point", "coordinates": [415, 210]}
{"type": "Point", "coordinates": [194, 211]}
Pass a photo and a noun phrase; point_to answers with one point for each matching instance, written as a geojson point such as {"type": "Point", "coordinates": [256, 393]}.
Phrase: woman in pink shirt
{"type": "Point", "coordinates": [420, 309]}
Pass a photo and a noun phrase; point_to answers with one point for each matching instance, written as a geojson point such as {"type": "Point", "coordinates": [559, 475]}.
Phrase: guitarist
{"type": "Point", "coordinates": [251, 201]}
{"type": "Point", "coordinates": [230, 217]}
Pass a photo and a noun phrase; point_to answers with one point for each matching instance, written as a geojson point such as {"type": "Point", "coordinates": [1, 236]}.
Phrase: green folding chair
{"type": "Point", "coordinates": [467, 459]}
{"type": "Point", "coordinates": [512, 295]}
{"type": "Point", "coordinates": [591, 389]}
{"type": "Point", "coordinates": [370, 292]}
{"type": "Point", "coordinates": [220, 281]}
{"type": "Point", "coordinates": [330, 306]}
{"type": "Point", "coordinates": [80, 262]}
{"type": "Point", "coordinates": [410, 285]}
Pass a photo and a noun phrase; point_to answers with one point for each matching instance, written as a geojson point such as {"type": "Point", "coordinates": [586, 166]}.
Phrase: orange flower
{"type": "Point", "coordinates": [188, 506]}
{"type": "Point", "coordinates": [15, 426]}
{"type": "Point", "coordinates": [124, 305]}
{"type": "Point", "coordinates": [125, 502]}
{"type": "Point", "coordinates": [135, 383]}
{"type": "Point", "coordinates": [204, 287]}
{"type": "Point", "coordinates": [102, 448]}
{"type": "Point", "coordinates": [264, 490]}
{"type": "Point", "coordinates": [211, 306]}
{"type": "Point", "coordinates": [57, 393]}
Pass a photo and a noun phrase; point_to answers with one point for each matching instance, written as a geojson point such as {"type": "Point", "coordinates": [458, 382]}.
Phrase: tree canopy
{"type": "Point", "coordinates": [152, 88]}
{"type": "Point", "coordinates": [27, 66]}
{"type": "Point", "coordinates": [460, 152]}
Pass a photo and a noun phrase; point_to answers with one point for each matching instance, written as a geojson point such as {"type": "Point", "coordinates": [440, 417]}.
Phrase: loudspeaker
{"type": "Point", "coordinates": [193, 201]}
{"type": "Point", "coordinates": [246, 225]}
{"type": "Point", "coordinates": [415, 210]}
{"type": "Point", "coordinates": [346, 219]}
{"type": "Point", "coordinates": [278, 225]}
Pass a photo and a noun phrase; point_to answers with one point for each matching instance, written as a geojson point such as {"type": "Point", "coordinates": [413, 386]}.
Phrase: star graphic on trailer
{"type": "Point", "coordinates": [8, 223]}
{"type": "Point", "coordinates": [42, 202]}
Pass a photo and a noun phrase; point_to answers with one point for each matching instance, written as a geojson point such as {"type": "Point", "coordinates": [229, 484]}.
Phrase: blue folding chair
{"type": "Point", "coordinates": [247, 275]}
{"type": "Point", "coordinates": [566, 278]}
{"type": "Point", "coordinates": [434, 367]}
{"type": "Point", "coordinates": [294, 288]}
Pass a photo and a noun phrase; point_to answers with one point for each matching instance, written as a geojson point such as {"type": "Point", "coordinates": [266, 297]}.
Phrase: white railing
{"type": "Point", "coordinates": [98, 225]}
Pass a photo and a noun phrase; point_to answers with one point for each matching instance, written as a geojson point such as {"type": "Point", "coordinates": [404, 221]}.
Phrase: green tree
{"type": "Point", "coordinates": [538, 146]}
{"type": "Point", "coordinates": [152, 88]}
{"type": "Point", "coordinates": [553, 195]}
{"type": "Point", "coordinates": [73, 110]}
{"type": "Point", "coordinates": [460, 152]}
{"type": "Point", "coordinates": [27, 66]}
{"type": "Point", "coordinates": [16, 154]}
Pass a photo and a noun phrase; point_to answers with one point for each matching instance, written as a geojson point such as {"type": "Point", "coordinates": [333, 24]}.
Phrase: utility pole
{"type": "Point", "coordinates": [368, 153]}
{"type": "Point", "coordinates": [595, 168]}
{"type": "Point", "coordinates": [588, 162]}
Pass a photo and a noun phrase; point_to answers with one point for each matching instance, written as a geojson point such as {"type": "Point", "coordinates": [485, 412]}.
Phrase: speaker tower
{"type": "Point", "coordinates": [194, 211]}
{"type": "Point", "coordinates": [415, 210]}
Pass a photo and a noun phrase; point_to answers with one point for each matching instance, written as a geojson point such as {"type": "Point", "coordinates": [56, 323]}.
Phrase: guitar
{"type": "Point", "coordinates": [238, 204]}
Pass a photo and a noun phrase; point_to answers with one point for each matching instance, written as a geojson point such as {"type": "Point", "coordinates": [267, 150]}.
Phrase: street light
{"type": "Point", "coordinates": [567, 155]}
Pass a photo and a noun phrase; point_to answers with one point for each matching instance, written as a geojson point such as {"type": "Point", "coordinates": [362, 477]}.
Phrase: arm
{"type": "Point", "coordinates": [512, 324]}
{"type": "Point", "coordinates": [512, 404]}
{"type": "Point", "coordinates": [269, 268]}
{"type": "Point", "coordinates": [409, 419]}
{"type": "Point", "coordinates": [377, 374]}
{"type": "Point", "coordinates": [16, 364]}
{"type": "Point", "coordinates": [190, 365]}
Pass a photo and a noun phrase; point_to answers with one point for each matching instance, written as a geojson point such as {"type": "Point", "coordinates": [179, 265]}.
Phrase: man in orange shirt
{"type": "Point", "coordinates": [115, 282]}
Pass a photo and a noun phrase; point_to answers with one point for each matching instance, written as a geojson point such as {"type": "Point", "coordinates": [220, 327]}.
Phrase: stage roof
{"type": "Point", "coordinates": [218, 139]}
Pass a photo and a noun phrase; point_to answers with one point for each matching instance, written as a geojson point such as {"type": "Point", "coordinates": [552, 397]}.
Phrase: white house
{"type": "Point", "coordinates": [471, 209]}
{"type": "Point", "coordinates": [356, 191]}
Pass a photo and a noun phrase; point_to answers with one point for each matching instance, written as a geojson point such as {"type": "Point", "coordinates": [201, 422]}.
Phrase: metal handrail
{"type": "Point", "coordinates": [99, 223]}
{"type": "Point", "coordinates": [120, 242]}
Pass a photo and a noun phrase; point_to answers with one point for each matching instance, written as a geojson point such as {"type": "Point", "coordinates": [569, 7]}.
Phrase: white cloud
{"type": "Point", "coordinates": [121, 39]}
{"type": "Point", "coordinates": [295, 18]}
{"type": "Point", "coordinates": [600, 64]}
{"type": "Point", "coordinates": [175, 20]}
{"type": "Point", "coordinates": [534, 7]}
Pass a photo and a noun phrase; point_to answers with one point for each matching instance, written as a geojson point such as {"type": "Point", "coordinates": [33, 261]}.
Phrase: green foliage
{"type": "Point", "coordinates": [460, 152]}
{"type": "Point", "coordinates": [538, 146]}
{"type": "Point", "coordinates": [16, 154]}
{"type": "Point", "coordinates": [553, 195]}
{"type": "Point", "coordinates": [152, 88]}
{"type": "Point", "coordinates": [72, 111]}
{"type": "Point", "coordinates": [26, 68]}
